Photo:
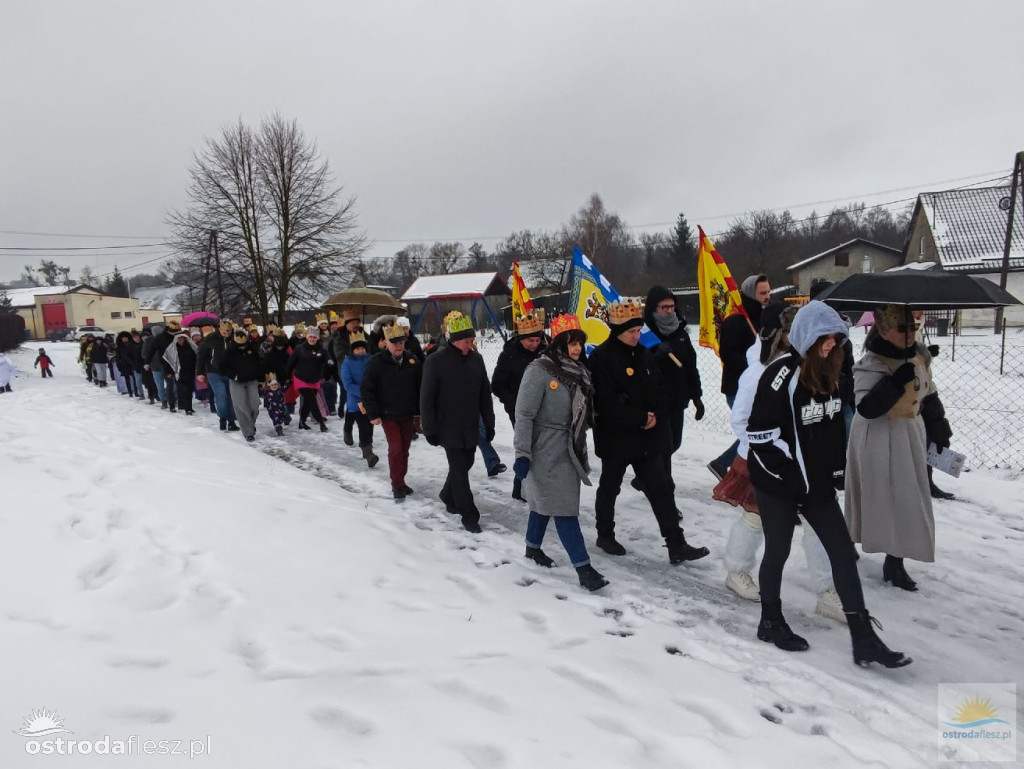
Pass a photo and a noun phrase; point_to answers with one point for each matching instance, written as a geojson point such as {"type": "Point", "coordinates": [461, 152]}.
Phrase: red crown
{"type": "Point", "coordinates": [563, 323]}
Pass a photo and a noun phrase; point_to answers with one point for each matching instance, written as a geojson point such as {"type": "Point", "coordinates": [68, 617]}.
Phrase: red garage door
{"type": "Point", "coordinates": [54, 317]}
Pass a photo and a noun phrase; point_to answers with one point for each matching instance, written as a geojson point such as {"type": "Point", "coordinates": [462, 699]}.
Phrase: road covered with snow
{"type": "Point", "coordinates": [168, 581]}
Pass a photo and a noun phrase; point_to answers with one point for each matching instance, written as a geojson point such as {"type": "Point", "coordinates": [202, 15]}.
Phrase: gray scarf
{"type": "Point", "coordinates": [581, 390]}
{"type": "Point", "coordinates": [667, 324]}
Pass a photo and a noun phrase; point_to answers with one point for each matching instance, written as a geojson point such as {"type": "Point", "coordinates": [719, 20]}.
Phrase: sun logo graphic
{"type": "Point", "coordinates": [974, 712]}
{"type": "Point", "coordinates": [40, 723]}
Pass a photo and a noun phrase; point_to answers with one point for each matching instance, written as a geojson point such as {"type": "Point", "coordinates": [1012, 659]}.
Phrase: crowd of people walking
{"type": "Point", "coordinates": [808, 423]}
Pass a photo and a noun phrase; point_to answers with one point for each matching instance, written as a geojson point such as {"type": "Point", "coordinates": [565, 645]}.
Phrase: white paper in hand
{"type": "Point", "coordinates": [949, 461]}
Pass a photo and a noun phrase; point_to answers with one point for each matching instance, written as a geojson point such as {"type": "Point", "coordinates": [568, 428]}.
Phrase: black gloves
{"type": "Point", "coordinates": [489, 434]}
{"type": "Point", "coordinates": [433, 439]}
{"type": "Point", "coordinates": [521, 467]}
{"type": "Point", "coordinates": [903, 374]}
{"type": "Point", "coordinates": [698, 406]}
{"type": "Point", "coordinates": [933, 350]}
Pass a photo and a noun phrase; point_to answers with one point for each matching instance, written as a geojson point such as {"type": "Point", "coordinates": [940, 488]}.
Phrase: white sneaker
{"type": "Point", "coordinates": [829, 606]}
{"type": "Point", "coordinates": [743, 585]}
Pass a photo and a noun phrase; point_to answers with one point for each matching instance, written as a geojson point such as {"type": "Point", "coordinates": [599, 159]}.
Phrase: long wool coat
{"type": "Point", "coordinates": [543, 434]}
{"type": "Point", "coordinates": [888, 502]}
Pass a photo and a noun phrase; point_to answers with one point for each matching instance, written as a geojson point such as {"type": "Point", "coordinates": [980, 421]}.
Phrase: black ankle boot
{"type": "Point", "coordinates": [610, 545]}
{"type": "Point", "coordinates": [590, 578]}
{"type": "Point", "coordinates": [893, 571]}
{"type": "Point", "coordinates": [868, 647]}
{"type": "Point", "coordinates": [347, 436]}
{"type": "Point", "coordinates": [773, 629]}
{"type": "Point", "coordinates": [539, 557]}
{"type": "Point", "coordinates": [323, 427]}
{"type": "Point", "coordinates": [369, 456]}
{"type": "Point", "coordinates": [223, 424]}
{"type": "Point", "coordinates": [679, 550]}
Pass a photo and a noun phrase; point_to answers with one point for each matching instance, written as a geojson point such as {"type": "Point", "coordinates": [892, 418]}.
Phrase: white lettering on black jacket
{"type": "Point", "coordinates": [797, 439]}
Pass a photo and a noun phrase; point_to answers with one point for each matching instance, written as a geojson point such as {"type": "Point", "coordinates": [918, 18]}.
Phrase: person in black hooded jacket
{"type": "Point", "coordinates": [122, 347]}
{"type": "Point", "coordinates": [242, 366]}
{"type": "Point", "coordinates": [518, 353]}
{"type": "Point", "coordinates": [306, 368]}
{"type": "Point", "coordinates": [677, 364]}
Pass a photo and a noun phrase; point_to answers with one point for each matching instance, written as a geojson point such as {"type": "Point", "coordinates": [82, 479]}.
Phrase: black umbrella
{"type": "Point", "coordinates": [931, 290]}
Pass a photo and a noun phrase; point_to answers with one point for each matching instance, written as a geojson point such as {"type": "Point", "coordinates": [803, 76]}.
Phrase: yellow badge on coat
{"type": "Point", "coordinates": [629, 371]}
{"type": "Point", "coordinates": [553, 384]}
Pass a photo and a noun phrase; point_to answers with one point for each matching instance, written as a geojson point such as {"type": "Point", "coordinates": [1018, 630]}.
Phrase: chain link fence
{"type": "Point", "coordinates": [984, 407]}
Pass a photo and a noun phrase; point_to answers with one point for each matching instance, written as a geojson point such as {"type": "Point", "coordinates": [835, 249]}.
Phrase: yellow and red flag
{"type": "Point", "coordinates": [719, 294]}
{"type": "Point", "coordinates": [521, 303]}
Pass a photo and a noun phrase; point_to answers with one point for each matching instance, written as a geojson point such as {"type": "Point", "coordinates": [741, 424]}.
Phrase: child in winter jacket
{"type": "Point", "coordinates": [273, 402]}
{"type": "Point", "coordinates": [45, 363]}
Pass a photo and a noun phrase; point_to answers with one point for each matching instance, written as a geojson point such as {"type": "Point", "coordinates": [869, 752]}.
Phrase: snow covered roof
{"type": "Point", "coordinates": [969, 228]}
{"type": "Point", "coordinates": [840, 247]}
{"type": "Point", "coordinates": [164, 298]}
{"type": "Point", "coordinates": [919, 266]}
{"type": "Point", "coordinates": [26, 297]}
{"type": "Point", "coordinates": [461, 284]}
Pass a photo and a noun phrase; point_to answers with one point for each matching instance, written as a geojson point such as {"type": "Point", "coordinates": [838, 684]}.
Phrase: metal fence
{"type": "Point", "coordinates": [985, 407]}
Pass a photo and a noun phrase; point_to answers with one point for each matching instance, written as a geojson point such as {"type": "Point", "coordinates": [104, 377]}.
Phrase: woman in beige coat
{"type": "Point", "coordinates": [888, 502]}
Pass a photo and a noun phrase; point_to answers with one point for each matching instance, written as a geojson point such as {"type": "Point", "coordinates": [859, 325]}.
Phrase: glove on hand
{"type": "Point", "coordinates": [521, 467]}
{"type": "Point", "coordinates": [489, 434]}
{"type": "Point", "coordinates": [698, 406]}
{"type": "Point", "coordinates": [433, 439]}
{"type": "Point", "coordinates": [903, 374]}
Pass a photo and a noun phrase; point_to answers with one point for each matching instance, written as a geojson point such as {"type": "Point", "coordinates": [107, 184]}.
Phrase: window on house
{"type": "Point", "coordinates": [843, 259]}
{"type": "Point", "coordinates": [115, 315]}
{"type": "Point", "coordinates": [129, 315]}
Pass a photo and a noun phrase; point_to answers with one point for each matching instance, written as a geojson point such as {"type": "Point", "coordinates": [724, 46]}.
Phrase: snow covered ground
{"type": "Point", "coordinates": [168, 581]}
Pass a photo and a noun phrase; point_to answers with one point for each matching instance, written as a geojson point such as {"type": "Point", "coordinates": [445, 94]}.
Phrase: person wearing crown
{"type": "Point", "coordinates": [632, 429]}
{"type": "Point", "coordinates": [554, 409]}
{"type": "Point", "coordinates": [390, 393]}
{"type": "Point", "coordinates": [350, 324]}
{"type": "Point", "coordinates": [352, 373]}
{"type": "Point", "coordinates": [454, 398]}
{"type": "Point", "coordinates": [518, 353]}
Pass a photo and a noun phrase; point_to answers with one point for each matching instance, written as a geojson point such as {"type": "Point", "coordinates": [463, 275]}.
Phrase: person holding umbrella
{"type": "Point", "coordinates": [888, 499]}
{"type": "Point", "coordinates": [351, 323]}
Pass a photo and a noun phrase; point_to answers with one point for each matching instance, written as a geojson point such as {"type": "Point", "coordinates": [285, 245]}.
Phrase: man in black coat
{"type": "Point", "coordinates": [209, 357]}
{"type": "Point", "coordinates": [677, 365]}
{"type": "Point", "coordinates": [632, 429]}
{"type": "Point", "coordinates": [390, 394]}
{"type": "Point", "coordinates": [738, 332]}
{"type": "Point", "coordinates": [454, 397]}
{"type": "Point", "coordinates": [517, 354]}
{"type": "Point", "coordinates": [163, 374]}
{"type": "Point", "coordinates": [242, 366]}
{"type": "Point", "coordinates": [306, 368]}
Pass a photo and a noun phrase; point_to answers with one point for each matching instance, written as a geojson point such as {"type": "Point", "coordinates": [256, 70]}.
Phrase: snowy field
{"type": "Point", "coordinates": [170, 582]}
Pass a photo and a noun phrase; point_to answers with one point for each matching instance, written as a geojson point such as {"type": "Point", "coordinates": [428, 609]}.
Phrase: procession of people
{"type": "Point", "coordinates": [808, 424]}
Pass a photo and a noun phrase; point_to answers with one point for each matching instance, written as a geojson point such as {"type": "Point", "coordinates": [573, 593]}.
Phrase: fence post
{"type": "Point", "coordinates": [1002, 348]}
{"type": "Point", "coordinates": [956, 323]}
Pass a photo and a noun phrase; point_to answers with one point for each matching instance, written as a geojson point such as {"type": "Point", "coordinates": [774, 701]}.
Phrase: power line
{"type": "Point", "coordinates": [81, 248]}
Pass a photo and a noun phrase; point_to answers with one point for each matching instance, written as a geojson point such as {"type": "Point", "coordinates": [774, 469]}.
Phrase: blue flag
{"type": "Point", "coordinates": [591, 294]}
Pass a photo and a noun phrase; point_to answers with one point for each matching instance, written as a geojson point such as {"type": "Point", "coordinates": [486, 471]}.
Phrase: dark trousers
{"type": "Point", "coordinates": [45, 372]}
{"type": "Point", "coordinates": [779, 518]}
{"type": "Point", "coordinates": [307, 397]}
{"type": "Point", "coordinates": [365, 429]}
{"type": "Point", "coordinates": [350, 420]}
{"type": "Point", "coordinates": [399, 435]}
{"type": "Point", "coordinates": [657, 485]}
{"type": "Point", "coordinates": [129, 383]}
{"type": "Point", "coordinates": [185, 393]}
{"type": "Point", "coordinates": [456, 490]}
{"type": "Point", "coordinates": [330, 388]}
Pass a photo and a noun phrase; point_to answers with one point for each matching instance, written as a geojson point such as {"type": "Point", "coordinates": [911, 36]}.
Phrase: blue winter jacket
{"type": "Point", "coordinates": [352, 377]}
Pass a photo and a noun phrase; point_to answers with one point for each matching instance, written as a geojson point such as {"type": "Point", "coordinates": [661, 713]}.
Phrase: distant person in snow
{"type": "Point", "coordinates": [797, 461]}
{"type": "Point", "coordinates": [6, 373]}
{"type": "Point", "coordinates": [45, 363]}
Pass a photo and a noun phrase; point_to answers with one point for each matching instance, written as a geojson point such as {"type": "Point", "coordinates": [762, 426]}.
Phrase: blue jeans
{"type": "Point", "coordinates": [221, 395]}
{"type": "Point", "coordinates": [726, 457]}
{"type": "Point", "coordinates": [491, 458]}
{"type": "Point", "coordinates": [568, 529]}
{"type": "Point", "coordinates": [166, 389]}
{"type": "Point", "coordinates": [139, 387]}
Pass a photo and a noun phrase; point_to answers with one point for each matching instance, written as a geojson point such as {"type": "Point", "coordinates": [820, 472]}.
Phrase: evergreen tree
{"type": "Point", "coordinates": [116, 284]}
{"type": "Point", "coordinates": [684, 250]}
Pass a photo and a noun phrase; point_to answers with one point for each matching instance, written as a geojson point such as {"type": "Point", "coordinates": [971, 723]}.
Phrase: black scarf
{"type": "Point", "coordinates": [879, 346]}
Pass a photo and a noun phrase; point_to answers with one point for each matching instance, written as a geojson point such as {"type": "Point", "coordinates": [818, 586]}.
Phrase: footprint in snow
{"type": "Point", "coordinates": [143, 715]}
{"type": "Point", "coordinates": [340, 719]}
{"type": "Point", "coordinates": [99, 573]}
{"type": "Point", "coordinates": [484, 756]}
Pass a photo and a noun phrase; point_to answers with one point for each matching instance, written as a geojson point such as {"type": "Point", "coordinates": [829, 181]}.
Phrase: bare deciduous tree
{"type": "Point", "coordinates": [285, 233]}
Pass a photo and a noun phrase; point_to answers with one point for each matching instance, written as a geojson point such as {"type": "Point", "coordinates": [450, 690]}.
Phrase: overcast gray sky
{"type": "Point", "coordinates": [470, 120]}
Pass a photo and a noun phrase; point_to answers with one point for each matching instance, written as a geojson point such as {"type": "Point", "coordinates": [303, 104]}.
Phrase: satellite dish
{"type": "Point", "coordinates": [1004, 203]}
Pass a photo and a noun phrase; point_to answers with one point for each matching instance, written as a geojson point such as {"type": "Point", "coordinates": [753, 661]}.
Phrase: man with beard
{"type": "Point", "coordinates": [517, 354]}
{"type": "Point", "coordinates": [738, 332]}
{"type": "Point", "coordinates": [455, 399]}
{"type": "Point", "coordinates": [632, 429]}
{"type": "Point", "coordinates": [797, 461]}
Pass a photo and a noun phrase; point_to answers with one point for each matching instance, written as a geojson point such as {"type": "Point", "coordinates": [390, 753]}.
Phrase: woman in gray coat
{"type": "Point", "coordinates": [553, 411]}
{"type": "Point", "coordinates": [888, 501]}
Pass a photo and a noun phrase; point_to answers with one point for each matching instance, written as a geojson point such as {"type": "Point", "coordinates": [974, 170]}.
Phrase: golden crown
{"type": "Point", "coordinates": [625, 310]}
{"type": "Point", "coordinates": [356, 336]}
{"type": "Point", "coordinates": [300, 328]}
{"type": "Point", "coordinates": [531, 323]}
{"type": "Point", "coordinates": [321, 317]}
{"type": "Point", "coordinates": [271, 328]}
{"type": "Point", "coordinates": [455, 325]}
{"type": "Point", "coordinates": [394, 332]}
{"type": "Point", "coordinates": [562, 323]}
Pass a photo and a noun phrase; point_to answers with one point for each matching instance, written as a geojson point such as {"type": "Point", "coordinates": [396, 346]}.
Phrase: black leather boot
{"type": "Point", "coordinates": [610, 545]}
{"type": "Point", "coordinates": [936, 492]}
{"type": "Point", "coordinates": [590, 578]}
{"type": "Point", "coordinates": [893, 571]}
{"type": "Point", "coordinates": [868, 647]}
{"type": "Point", "coordinates": [539, 557]}
{"type": "Point", "coordinates": [773, 629]}
{"type": "Point", "coordinates": [679, 550]}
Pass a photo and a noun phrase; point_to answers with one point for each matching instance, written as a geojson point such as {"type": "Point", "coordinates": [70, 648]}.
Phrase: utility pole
{"type": "Point", "coordinates": [1018, 170]}
{"type": "Point", "coordinates": [220, 286]}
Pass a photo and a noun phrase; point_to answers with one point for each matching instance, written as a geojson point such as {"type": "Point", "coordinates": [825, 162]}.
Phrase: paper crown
{"type": "Point", "coordinates": [226, 324]}
{"type": "Point", "coordinates": [448, 318]}
{"type": "Point", "coordinates": [332, 316]}
{"type": "Point", "coordinates": [272, 378]}
{"type": "Point", "coordinates": [357, 337]}
{"type": "Point", "coordinates": [300, 328]}
{"type": "Point", "coordinates": [394, 332]}
{"type": "Point", "coordinates": [321, 317]}
{"type": "Point", "coordinates": [562, 323]}
{"type": "Point", "coordinates": [271, 328]}
{"type": "Point", "coordinates": [350, 313]}
{"type": "Point", "coordinates": [460, 325]}
{"type": "Point", "coordinates": [173, 325]}
{"type": "Point", "coordinates": [531, 323]}
{"type": "Point", "coordinates": [625, 310]}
